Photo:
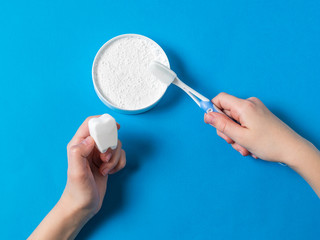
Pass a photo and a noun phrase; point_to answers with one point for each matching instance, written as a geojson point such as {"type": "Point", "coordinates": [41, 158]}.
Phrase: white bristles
{"type": "Point", "coordinates": [163, 73]}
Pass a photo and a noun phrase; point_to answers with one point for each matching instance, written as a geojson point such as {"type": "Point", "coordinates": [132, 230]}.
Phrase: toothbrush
{"type": "Point", "coordinates": [167, 76]}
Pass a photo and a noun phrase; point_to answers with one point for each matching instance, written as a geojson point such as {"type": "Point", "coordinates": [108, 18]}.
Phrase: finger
{"type": "Point", "coordinates": [225, 125]}
{"type": "Point", "coordinates": [225, 137]}
{"type": "Point", "coordinates": [97, 162]}
{"type": "Point", "coordinates": [99, 157]}
{"type": "Point", "coordinates": [244, 152]}
{"type": "Point", "coordinates": [106, 167]}
{"type": "Point", "coordinates": [121, 164]}
{"type": "Point", "coordinates": [226, 101]}
{"type": "Point", "coordinates": [82, 132]}
{"type": "Point", "coordinates": [95, 159]}
{"type": "Point", "coordinates": [227, 112]}
{"type": "Point", "coordinates": [101, 182]}
{"type": "Point", "coordinates": [106, 156]}
{"type": "Point", "coordinates": [77, 154]}
{"type": "Point", "coordinates": [254, 156]}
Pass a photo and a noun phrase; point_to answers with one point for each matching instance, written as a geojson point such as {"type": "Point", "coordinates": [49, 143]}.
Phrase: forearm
{"type": "Point", "coordinates": [62, 222]}
{"type": "Point", "coordinates": [305, 160]}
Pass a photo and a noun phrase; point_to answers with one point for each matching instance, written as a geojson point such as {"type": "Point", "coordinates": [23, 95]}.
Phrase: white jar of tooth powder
{"type": "Point", "coordinates": [121, 76]}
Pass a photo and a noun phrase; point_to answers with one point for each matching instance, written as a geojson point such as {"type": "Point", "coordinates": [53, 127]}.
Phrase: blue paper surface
{"type": "Point", "coordinates": [181, 181]}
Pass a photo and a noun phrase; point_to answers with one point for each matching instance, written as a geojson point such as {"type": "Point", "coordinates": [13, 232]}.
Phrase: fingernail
{"type": "Point", "coordinates": [87, 140]}
{"type": "Point", "coordinates": [108, 157]}
{"type": "Point", "coordinates": [105, 171]}
{"type": "Point", "coordinates": [241, 152]}
{"type": "Point", "coordinates": [209, 118]}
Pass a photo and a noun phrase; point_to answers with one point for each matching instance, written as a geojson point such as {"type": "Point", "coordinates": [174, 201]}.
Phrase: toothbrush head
{"type": "Point", "coordinates": [163, 73]}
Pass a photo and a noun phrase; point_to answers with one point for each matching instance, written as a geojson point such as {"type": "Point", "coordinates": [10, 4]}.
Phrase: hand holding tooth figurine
{"type": "Point", "coordinates": [88, 171]}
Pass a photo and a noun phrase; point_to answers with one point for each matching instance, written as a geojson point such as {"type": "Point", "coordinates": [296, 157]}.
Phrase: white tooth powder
{"type": "Point", "coordinates": [121, 72]}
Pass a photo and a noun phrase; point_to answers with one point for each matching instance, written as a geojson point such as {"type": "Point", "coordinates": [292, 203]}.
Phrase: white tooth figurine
{"type": "Point", "coordinates": [104, 132]}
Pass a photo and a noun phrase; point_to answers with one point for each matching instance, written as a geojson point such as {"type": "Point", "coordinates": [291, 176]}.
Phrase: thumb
{"type": "Point", "coordinates": [78, 153]}
{"type": "Point", "coordinates": [224, 125]}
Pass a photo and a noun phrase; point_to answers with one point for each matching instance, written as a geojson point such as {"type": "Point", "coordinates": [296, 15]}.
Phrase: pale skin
{"type": "Point", "coordinates": [258, 133]}
{"type": "Point", "coordinates": [262, 135]}
{"type": "Point", "coordinates": [88, 171]}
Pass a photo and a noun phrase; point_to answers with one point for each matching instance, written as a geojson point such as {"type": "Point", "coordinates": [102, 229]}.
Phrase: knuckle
{"type": "Point", "coordinates": [255, 100]}
{"type": "Point", "coordinates": [223, 126]}
{"type": "Point", "coordinates": [74, 150]}
{"type": "Point", "coordinates": [123, 164]}
{"type": "Point", "coordinates": [219, 97]}
{"type": "Point", "coordinates": [248, 106]}
{"type": "Point", "coordinates": [222, 94]}
{"type": "Point", "coordinates": [75, 175]}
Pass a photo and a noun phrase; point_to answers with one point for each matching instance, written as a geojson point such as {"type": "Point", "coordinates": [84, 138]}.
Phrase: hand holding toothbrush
{"type": "Point", "coordinates": [261, 134]}
{"type": "Point", "coordinates": [231, 116]}
{"type": "Point", "coordinates": [252, 129]}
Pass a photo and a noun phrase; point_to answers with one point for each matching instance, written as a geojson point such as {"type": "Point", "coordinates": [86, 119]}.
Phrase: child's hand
{"type": "Point", "coordinates": [260, 133]}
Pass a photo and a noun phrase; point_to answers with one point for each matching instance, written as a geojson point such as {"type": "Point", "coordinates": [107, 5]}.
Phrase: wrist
{"type": "Point", "coordinates": [299, 152]}
{"type": "Point", "coordinates": [307, 163]}
{"type": "Point", "coordinates": [72, 218]}
{"type": "Point", "coordinates": [71, 210]}
{"type": "Point", "coordinates": [64, 221]}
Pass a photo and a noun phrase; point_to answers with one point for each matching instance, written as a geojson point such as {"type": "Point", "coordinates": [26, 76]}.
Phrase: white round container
{"type": "Point", "coordinates": [98, 89]}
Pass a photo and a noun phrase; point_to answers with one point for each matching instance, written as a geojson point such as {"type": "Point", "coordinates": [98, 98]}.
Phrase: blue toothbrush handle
{"type": "Point", "coordinates": [208, 106]}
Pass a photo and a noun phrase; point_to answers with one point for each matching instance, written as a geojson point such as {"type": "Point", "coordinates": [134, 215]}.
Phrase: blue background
{"type": "Point", "coordinates": [181, 181]}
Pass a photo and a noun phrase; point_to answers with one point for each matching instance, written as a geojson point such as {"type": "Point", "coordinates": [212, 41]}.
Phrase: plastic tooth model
{"type": "Point", "coordinates": [104, 132]}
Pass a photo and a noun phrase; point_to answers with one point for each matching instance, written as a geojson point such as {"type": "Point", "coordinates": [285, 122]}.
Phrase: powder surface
{"type": "Point", "coordinates": [122, 73]}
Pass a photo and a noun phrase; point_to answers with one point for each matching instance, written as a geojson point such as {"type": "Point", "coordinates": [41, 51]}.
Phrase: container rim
{"type": "Point", "coordinates": [98, 90]}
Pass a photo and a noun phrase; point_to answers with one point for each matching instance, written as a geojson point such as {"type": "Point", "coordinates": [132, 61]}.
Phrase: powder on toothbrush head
{"type": "Point", "coordinates": [121, 72]}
